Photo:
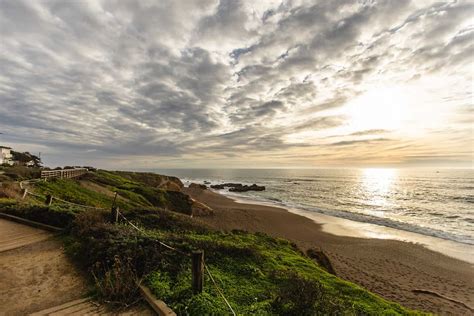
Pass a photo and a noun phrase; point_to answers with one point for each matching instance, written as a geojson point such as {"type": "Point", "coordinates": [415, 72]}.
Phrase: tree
{"type": "Point", "coordinates": [25, 158]}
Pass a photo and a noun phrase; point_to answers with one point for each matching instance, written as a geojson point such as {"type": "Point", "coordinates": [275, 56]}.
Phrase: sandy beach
{"type": "Point", "coordinates": [407, 273]}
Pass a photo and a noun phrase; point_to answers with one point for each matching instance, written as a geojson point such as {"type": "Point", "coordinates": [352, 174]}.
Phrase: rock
{"type": "Point", "coordinates": [179, 202]}
{"type": "Point", "coordinates": [171, 186]}
{"type": "Point", "coordinates": [197, 186]}
{"type": "Point", "coordinates": [238, 187]}
{"type": "Point", "coordinates": [322, 259]}
{"type": "Point", "coordinates": [224, 185]}
{"type": "Point", "coordinates": [245, 188]}
{"type": "Point", "coordinates": [201, 209]}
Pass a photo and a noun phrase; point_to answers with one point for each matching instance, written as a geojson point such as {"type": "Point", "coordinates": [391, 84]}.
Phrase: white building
{"type": "Point", "coordinates": [6, 156]}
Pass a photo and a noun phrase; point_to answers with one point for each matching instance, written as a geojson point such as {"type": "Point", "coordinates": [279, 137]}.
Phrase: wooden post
{"type": "Point", "coordinates": [114, 214]}
{"type": "Point", "coordinates": [49, 199]}
{"type": "Point", "coordinates": [115, 211]}
{"type": "Point", "coordinates": [115, 199]}
{"type": "Point", "coordinates": [25, 192]}
{"type": "Point", "coordinates": [198, 271]}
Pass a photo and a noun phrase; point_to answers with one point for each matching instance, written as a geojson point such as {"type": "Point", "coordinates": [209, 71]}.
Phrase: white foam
{"type": "Point", "coordinates": [345, 227]}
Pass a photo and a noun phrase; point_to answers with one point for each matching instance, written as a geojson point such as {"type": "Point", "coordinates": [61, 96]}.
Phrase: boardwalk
{"type": "Point", "coordinates": [13, 235]}
{"type": "Point", "coordinates": [63, 174]}
{"type": "Point", "coordinates": [38, 278]}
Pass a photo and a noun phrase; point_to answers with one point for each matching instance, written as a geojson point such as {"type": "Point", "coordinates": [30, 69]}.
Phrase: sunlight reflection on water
{"type": "Point", "coordinates": [377, 184]}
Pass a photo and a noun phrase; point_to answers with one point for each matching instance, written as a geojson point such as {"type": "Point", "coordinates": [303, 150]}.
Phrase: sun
{"type": "Point", "coordinates": [385, 108]}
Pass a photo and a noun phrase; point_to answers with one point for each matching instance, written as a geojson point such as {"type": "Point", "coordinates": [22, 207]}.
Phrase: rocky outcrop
{"type": "Point", "coordinates": [224, 185]}
{"type": "Point", "coordinates": [201, 209]}
{"type": "Point", "coordinates": [153, 180]}
{"type": "Point", "coordinates": [171, 186]}
{"type": "Point", "coordinates": [238, 187]}
{"type": "Point", "coordinates": [198, 186]}
{"type": "Point", "coordinates": [245, 188]}
{"type": "Point", "coordinates": [322, 259]}
{"type": "Point", "coordinates": [183, 203]}
{"type": "Point", "coordinates": [177, 201]}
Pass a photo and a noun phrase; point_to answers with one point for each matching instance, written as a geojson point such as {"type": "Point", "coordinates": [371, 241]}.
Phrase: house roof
{"type": "Point", "coordinates": [5, 147]}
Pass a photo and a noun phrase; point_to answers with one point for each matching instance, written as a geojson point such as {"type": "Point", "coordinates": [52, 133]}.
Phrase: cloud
{"type": "Point", "coordinates": [136, 81]}
{"type": "Point", "coordinates": [369, 132]}
{"type": "Point", "coordinates": [363, 141]}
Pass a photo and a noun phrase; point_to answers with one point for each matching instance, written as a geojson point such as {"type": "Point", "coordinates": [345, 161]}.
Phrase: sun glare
{"type": "Point", "coordinates": [377, 184]}
{"type": "Point", "coordinates": [385, 108]}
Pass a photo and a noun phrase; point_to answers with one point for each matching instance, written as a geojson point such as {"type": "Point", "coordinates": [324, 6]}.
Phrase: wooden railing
{"type": "Point", "coordinates": [63, 174]}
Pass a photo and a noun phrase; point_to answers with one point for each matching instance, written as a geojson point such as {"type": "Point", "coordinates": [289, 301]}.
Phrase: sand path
{"type": "Point", "coordinates": [37, 277]}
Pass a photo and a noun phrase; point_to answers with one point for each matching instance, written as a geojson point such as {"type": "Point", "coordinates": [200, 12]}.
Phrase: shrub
{"type": "Point", "coordinates": [9, 190]}
{"type": "Point", "coordinates": [22, 172]}
{"type": "Point", "coordinates": [297, 295]}
{"type": "Point", "coordinates": [161, 284]}
{"type": "Point", "coordinates": [6, 202]}
{"type": "Point", "coordinates": [58, 217]}
{"type": "Point", "coordinates": [119, 284]}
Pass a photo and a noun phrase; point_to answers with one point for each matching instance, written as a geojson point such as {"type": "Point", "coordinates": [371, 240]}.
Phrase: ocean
{"type": "Point", "coordinates": [437, 203]}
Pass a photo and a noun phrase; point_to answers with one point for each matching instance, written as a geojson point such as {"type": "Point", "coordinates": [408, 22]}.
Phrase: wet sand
{"type": "Point", "coordinates": [407, 273]}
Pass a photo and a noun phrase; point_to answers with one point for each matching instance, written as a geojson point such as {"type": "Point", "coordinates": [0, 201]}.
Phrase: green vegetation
{"type": "Point", "coordinates": [97, 189]}
{"type": "Point", "coordinates": [259, 275]}
{"type": "Point", "coordinates": [25, 158]}
{"type": "Point", "coordinates": [18, 173]}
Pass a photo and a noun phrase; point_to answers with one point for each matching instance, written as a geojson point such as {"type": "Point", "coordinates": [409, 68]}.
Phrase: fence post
{"type": "Point", "coordinates": [114, 211]}
{"type": "Point", "coordinates": [25, 192]}
{"type": "Point", "coordinates": [49, 199]}
{"type": "Point", "coordinates": [114, 214]}
{"type": "Point", "coordinates": [197, 271]}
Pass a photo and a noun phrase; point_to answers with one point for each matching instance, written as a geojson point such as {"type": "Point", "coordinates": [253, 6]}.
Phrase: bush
{"type": "Point", "coordinates": [9, 190]}
{"type": "Point", "coordinates": [119, 284]}
{"type": "Point", "coordinates": [205, 304]}
{"type": "Point", "coordinates": [58, 217]}
{"type": "Point", "coordinates": [22, 172]}
{"type": "Point", "coordinates": [7, 202]}
{"type": "Point", "coordinates": [161, 284]}
{"type": "Point", "coordinates": [297, 295]}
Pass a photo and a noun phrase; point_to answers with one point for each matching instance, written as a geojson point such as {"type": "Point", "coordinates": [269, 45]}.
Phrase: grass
{"type": "Point", "coordinates": [72, 191]}
{"type": "Point", "coordinates": [256, 273]}
{"type": "Point", "coordinates": [132, 194]}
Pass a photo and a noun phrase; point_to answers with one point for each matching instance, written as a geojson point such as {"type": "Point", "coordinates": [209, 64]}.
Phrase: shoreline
{"type": "Point", "coordinates": [396, 270]}
{"type": "Point", "coordinates": [350, 228]}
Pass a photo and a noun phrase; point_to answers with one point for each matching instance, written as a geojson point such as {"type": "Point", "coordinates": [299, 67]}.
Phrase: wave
{"type": "Point", "coordinates": [364, 218]}
{"type": "Point", "coordinates": [428, 206]}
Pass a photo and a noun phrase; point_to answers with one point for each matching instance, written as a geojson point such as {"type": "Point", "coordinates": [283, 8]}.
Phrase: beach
{"type": "Point", "coordinates": [407, 273]}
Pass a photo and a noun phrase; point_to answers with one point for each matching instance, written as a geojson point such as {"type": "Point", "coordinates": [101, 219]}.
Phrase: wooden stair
{"type": "Point", "coordinates": [87, 306]}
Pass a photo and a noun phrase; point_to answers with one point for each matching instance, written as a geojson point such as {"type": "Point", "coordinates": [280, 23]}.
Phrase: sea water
{"type": "Point", "coordinates": [438, 203]}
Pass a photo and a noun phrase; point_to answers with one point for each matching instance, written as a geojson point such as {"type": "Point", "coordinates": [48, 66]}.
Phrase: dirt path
{"type": "Point", "coordinates": [15, 235]}
{"type": "Point", "coordinates": [37, 276]}
{"type": "Point", "coordinates": [34, 270]}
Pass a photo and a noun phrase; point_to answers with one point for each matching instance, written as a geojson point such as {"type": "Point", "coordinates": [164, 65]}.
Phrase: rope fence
{"type": "Point", "coordinates": [49, 200]}
{"type": "Point", "coordinates": [35, 195]}
{"type": "Point", "coordinates": [205, 267]}
{"type": "Point", "coordinates": [198, 264]}
{"type": "Point", "coordinates": [80, 205]}
{"type": "Point", "coordinates": [219, 289]}
{"type": "Point", "coordinates": [144, 233]}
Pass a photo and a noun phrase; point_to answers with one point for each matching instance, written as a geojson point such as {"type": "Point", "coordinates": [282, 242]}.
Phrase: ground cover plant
{"type": "Point", "coordinates": [259, 275]}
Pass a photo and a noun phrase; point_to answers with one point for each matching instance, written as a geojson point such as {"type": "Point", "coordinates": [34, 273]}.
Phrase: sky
{"type": "Point", "coordinates": [238, 84]}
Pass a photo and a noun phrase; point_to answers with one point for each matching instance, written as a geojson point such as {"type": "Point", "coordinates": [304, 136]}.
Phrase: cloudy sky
{"type": "Point", "coordinates": [229, 83]}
